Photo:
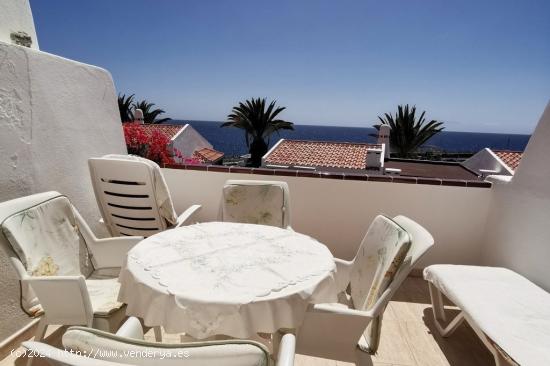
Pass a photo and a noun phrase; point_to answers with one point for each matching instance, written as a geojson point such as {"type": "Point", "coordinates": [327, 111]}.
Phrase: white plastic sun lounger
{"type": "Point", "coordinates": [508, 312]}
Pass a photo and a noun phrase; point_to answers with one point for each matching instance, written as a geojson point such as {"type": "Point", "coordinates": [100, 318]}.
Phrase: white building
{"type": "Point", "coordinates": [186, 140]}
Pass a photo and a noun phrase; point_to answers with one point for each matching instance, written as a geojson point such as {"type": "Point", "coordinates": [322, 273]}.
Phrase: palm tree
{"type": "Point", "coordinates": [258, 125]}
{"type": "Point", "coordinates": [150, 114]}
{"type": "Point", "coordinates": [407, 133]}
{"type": "Point", "coordinates": [125, 107]}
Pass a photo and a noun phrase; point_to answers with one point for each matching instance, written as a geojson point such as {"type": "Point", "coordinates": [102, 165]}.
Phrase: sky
{"type": "Point", "coordinates": [476, 65]}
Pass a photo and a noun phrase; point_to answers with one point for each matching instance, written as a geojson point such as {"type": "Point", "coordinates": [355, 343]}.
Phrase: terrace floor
{"type": "Point", "coordinates": [409, 337]}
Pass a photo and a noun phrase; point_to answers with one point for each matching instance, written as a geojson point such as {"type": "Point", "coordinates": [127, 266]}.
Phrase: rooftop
{"type": "Point", "coordinates": [169, 130]}
{"type": "Point", "coordinates": [510, 158]}
{"type": "Point", "coordinates": [343, 155]}
{"type": "Point", "coordinates": [431, 169]}
{"type": "Point", "coordinates": [348, 155]}
{"type": "Point", "coordinates": [207, 155]}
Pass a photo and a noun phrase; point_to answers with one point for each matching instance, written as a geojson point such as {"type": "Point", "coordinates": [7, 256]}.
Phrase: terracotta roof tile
{"type": "Point", "coordinates": [320, 154]}
{"type": "Point", "coordinates": [510, 158]}
{"type": "Point", "coordinates": [207, 155]}
{"type": "Point", "coordinates": [169, 130]}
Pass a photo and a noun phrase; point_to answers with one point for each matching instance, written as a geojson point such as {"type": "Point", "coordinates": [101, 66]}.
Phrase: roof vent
{"type": "Point", "coordinates": [375, 157]}
{"type": "Point", "coordinates": [384, 139]}
{"type": "Point", "coordinates": [138, 116]}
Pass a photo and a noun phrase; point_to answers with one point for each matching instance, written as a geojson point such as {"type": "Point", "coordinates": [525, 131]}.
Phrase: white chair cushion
{"type": "Point", "coordinates": [227, 353]}
{"type": "Point", "coordinates": [47, 240]}
{"type": "Point", "coordinates": [381, 254]}
{"type": "Point", "coordinates": [254, 204]}
{"type": "Point", "coordinates": [104, 295]}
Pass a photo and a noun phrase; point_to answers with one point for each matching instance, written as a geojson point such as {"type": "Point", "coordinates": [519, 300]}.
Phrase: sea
{"type": "Point", "coordinates": [232, 143]}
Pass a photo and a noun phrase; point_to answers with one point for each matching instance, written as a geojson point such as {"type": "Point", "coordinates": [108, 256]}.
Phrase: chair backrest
{"type": "Point", "coordinates": [46, 237]}
{"type": "Point", "coordinates": [390, 250]}
{"type": "Point", "coordinates": [256, 202]}
{"type": "Point", "coordinates": [132, 195]}
{"type": "Point", "coordinates": [228, 352]}
{"type": "Point", "coordinates": [380, 255]}
{"type": "Point", "coordinates": [43, 232]}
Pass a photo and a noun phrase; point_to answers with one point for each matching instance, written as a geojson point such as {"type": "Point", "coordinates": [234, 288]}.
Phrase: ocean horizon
{"type": "Point", "coordinates": [232, 143]}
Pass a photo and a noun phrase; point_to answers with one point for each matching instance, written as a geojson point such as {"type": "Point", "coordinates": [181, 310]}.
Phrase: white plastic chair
{"type": "Point", "coordinates": [256, 202]}
{"type": "Point", "coordinates": [133, 197]}
{"type": "Point", "coordinates": [350, 330]}
{"type": "Point", "coordinates": [65, 270]}
{"type": "Point", "coordinates": [105, 349]}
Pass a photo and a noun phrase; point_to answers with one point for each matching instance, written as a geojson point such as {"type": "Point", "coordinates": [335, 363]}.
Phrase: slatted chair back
{"type": "Point", "coordinates": [125, 191]}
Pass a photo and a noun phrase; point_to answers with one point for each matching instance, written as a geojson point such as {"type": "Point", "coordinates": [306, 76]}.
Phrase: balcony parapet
{"type": "Point", "coordinates": [334, 175]}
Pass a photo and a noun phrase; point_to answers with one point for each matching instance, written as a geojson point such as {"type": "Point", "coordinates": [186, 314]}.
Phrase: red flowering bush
{"type": "Point", "coordinates": [136, 138]}
{"type": "Point", "coordinates": [153, 147]}
{"type": "Point", "coordinates": [158, 149]}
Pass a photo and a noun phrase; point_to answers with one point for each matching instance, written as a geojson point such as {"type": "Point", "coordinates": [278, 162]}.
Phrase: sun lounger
{"type": "Point", "coordinates": [508, 312]}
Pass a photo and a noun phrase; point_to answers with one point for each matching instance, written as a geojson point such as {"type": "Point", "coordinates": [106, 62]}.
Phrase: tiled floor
{"type": "Point", "coordinates": [409, 337]}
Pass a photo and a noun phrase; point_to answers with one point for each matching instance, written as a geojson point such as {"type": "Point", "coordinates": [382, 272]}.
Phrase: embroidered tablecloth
{"type": "Point", "coordinates": [226, 279]}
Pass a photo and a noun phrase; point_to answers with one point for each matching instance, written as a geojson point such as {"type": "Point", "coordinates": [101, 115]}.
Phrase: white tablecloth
{"type": "Point", "coordinates": [226, 278]}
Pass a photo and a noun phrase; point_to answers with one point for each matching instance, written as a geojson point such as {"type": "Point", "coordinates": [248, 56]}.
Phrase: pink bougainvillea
{"type": "Point", "coordinates": [155, 146]}
{"type": "Point", "coordinates": [136, 138]}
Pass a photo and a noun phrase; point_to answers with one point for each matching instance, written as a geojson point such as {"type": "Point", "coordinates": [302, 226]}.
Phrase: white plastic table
{"type": "Point", "coordinates": [226, 279]}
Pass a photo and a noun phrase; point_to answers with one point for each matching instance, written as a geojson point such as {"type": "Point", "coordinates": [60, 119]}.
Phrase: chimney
{"type": "Point", "coordinates": [375, 158]}
{"type": "Point", "coordinates": [384, 138]}
{"type": "Point", "coordinates": [138, 116]}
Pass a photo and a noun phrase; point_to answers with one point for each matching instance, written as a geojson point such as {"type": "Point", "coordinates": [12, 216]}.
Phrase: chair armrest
{"type": "Point", "coordinates": [331, 329]}
{"type": "Point", "coordinates": [131, 329]}
{"type": "Point", "coordinates": [185, 217]}
{"type": "Point", "coordinates": [343, 272]}
{"type": "Point", "coordinates": [381, 303]}
{"type": "Point", "coordinates": [287, 350]}
{"type": "Point", "coordinates": [111, 252]}
{"type": "Point", "coordinates": [65, 299]}
{"type": "Point", "coordinates": [108, 252]}
{"type": "Point", "coordinates": [339, 310]}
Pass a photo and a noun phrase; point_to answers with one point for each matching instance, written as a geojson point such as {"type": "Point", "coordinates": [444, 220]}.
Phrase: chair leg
{"type": "Point", "coordinates": [41, 330]}
{"type": "Point", "coordinates": [158, 333]}
{"type": "Point", "coordinates": [439, 313]}
{"type": "Point", "coordinates": [437, 303]}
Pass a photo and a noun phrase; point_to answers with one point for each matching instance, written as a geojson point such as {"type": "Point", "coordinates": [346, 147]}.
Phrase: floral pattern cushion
{"type": "Point", "coordinates": [262, 204]}
{"type": "Point", "coordinates": [47, 240]}
{"type": "Point", "coordinates": [380, 256]}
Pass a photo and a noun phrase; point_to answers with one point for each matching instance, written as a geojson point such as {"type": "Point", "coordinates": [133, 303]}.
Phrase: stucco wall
{"type": "Point", "coordinates": [54, 114]}
{"type": "Point", "coordinates": [487, 160]}
{"type": "Point", "coordinates": [188, 140]}
{"type": "Point", "coordinates": [15, 16]}
{"type": "Point", "coordinates": [517, 231]}
{"type": "Point", "coordinates": [338, 212]}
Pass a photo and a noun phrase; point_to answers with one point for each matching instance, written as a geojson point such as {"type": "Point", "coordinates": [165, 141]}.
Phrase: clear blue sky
{"type": "Point", "coordinates": [477, 65]}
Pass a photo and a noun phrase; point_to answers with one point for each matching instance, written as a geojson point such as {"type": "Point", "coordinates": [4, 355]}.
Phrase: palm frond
{"type": "Point", "coordinates": [407, 132]}
{"type": "Point", "coordinates": [258, 122]}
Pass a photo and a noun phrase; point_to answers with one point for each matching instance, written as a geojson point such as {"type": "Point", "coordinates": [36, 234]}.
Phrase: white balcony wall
{"type": "Point", "coordinates": [338, 212]}
{"type": "Point", "coordinates": [517, 234]}
{"type": "Point", "coordinates": [54, 115]}
{"type": "Point", "coordinates": [16, 16]}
